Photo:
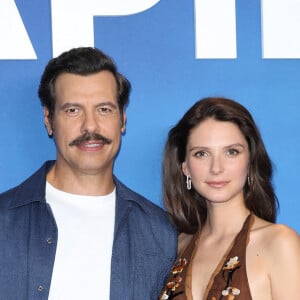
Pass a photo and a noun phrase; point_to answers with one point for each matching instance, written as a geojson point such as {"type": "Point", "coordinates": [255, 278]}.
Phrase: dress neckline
{"type": "Point", "coordinates": [195, 241]}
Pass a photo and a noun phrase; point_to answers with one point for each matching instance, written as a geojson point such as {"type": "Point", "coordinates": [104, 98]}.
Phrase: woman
{"type": "Point", "coordinates": [218, 191]}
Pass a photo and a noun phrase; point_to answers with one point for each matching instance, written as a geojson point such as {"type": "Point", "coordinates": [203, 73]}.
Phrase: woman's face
{"type": "Point", "coordinates": [217, 159]}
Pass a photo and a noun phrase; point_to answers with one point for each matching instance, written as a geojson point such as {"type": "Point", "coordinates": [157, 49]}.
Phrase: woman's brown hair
{"type": "Point", "coordinates": [187, 208]}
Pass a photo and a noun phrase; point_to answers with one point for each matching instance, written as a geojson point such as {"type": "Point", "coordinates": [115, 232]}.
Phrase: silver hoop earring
{"type": "Point", "coordinates": [188, 182]}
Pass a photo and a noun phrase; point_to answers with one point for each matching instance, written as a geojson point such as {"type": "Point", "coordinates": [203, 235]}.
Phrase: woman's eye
{"type": "Point", "coordinates": [232, 152]}
{"type": "Point", "coordinates": [200, 154]}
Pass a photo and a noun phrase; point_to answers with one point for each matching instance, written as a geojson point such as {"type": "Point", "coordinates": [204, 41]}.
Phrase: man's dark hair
{"type": "Point", "coordinates": [81, 61]}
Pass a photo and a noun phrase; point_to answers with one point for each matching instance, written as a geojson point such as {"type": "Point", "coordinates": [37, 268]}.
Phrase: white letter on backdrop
{"type": "Point", "coordinates": [72, 20]}
{"type": "Point", "coordinates": [15, 43]}
{"type": "Point", "coordinates": [215, 26]}
{"type": "Point", "coordinates": [281, 28]}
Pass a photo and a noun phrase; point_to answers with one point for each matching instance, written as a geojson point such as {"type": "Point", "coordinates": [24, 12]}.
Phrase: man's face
{"type": "Point", "coordinates": [87, 123]}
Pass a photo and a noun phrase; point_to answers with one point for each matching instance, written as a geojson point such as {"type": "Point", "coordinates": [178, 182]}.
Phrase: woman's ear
{"type": "Point", "coordinates": [184, 169]}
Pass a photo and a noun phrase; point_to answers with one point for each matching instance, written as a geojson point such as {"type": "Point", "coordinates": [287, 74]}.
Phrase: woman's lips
{"type": "Point", "coordinates": [217, 184]}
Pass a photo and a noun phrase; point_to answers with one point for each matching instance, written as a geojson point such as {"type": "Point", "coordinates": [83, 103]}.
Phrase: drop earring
{"type": "Point", "coordinates": [249, 180]}
{"type": "Point", "coordinates": [188, 182]}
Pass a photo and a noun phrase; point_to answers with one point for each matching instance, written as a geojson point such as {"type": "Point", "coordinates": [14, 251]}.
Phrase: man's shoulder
{"type": "Point", "coordinates": [144, 210]}
{"type": "Point", "coordinates": [147, 221]}
{"type": "Point", "coordinates": [127, 193]}
{"type": "Point", "coordinates": [31, 188]}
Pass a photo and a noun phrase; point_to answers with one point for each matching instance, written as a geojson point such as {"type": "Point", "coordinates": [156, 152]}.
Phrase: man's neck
{"type": "Point", "coordinates": [81, 183]}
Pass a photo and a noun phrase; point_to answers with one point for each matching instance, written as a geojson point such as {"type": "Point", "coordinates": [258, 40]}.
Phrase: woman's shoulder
{"type": "Point", "coordinates": [275, 238]}
{"type": "Point", "coordinates": [266, 228]}
{"type": "Point", "coordinates": [274, 250]}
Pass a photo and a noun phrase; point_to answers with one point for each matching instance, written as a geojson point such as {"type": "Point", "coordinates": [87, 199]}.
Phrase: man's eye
{"type": "Point", "coordinates": [72, 110]}
{"type": "Point", "coordinates": [106, 110]}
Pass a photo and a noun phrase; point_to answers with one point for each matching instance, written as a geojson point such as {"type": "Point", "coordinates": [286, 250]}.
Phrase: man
{"type": "Point", "coordinates": [72, 230]}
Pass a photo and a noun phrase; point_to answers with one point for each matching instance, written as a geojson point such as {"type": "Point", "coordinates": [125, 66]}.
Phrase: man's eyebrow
{"type": "Point", "coordinates": [76, 104]}
{"type": "Point", "coordinates": [107, 103]}
{"type": "Point", "coordinates": [68, 104]}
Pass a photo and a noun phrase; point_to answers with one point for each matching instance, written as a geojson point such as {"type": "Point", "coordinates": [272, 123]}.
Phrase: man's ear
{"type": "Point", "coordinates": [123, 121]}
{"type": "Point", "coordinates": [47, 121]}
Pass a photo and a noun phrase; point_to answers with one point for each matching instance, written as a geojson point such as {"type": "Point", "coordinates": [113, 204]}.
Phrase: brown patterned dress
{"type": "Point", "coordinates": [229, 280]}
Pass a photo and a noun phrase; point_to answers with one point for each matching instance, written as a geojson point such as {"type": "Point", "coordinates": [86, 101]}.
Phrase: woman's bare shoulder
{"type": "Point", "coordinates": [276, 248]}
{"type": "Point", "coordinates": [277, 238]}
{"type": "Point", "coordinates": [265, 227]}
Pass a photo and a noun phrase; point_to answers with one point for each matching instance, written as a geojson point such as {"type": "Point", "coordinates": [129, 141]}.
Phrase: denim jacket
{"type": "Point", "coordinates": [144, 244]}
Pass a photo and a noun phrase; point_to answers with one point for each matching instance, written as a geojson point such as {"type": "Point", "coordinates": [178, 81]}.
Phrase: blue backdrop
{"type": "Point", "coordinates": [155, 49]}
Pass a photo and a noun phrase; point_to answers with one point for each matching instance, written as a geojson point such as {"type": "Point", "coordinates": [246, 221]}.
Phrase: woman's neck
{"type": "Point", "coordinates": [223, 220]}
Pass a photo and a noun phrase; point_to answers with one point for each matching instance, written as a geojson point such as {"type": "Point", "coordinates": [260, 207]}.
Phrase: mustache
{"type": "Point", "coordinates": [89, 136]}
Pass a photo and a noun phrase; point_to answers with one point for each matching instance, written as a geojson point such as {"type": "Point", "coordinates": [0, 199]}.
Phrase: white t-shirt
{"type": "Point", "coordinates": [84, 249]}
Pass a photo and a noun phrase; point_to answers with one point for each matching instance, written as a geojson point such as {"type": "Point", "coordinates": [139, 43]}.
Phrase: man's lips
{"type": "Point", "coordinates": [91, 145]}
{"type": "Point", "coordinates": [90, 140]}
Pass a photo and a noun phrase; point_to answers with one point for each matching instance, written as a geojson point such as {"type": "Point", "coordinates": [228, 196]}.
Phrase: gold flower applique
{"type": "Point", "coordinates": [231, 266]}
{"type": "Point", "coordinates": [174, 283]}
{"type": "Point", "coordinates": [231, 292]}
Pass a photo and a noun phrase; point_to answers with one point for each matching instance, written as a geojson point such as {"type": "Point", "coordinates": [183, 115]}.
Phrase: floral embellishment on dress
{"type": "Point", "coordinates": [179, 266]}
{"type": "Point", "coordinates": [232, 264]}
{"type": "Point", "coordinates": [231, 292]}
{"type": "Point", "coordinates": [174, 282]}
{"type": "Point", "coordinates": [230, 267]}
